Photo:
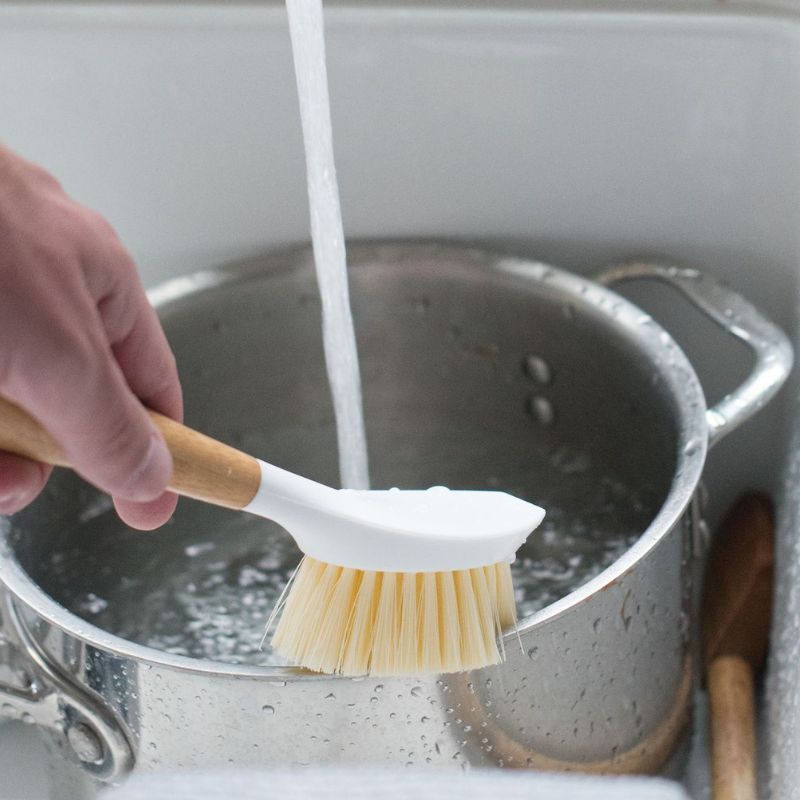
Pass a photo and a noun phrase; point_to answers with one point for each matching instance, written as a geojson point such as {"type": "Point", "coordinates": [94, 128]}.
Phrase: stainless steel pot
{"type": "Point", "coordinates": [477, 369]}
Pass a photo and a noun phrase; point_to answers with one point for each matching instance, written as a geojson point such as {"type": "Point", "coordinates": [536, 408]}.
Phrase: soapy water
{"type": "Point", "coordinates": [327, 234]}
{"type": "Point", "coordinates": [212, 603]}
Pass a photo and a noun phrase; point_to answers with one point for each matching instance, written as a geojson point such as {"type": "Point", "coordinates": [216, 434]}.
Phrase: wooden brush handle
{"type": "Point", "coordinates": [203, 468]}
{"type": "Point", "coordinates": [733, 740]}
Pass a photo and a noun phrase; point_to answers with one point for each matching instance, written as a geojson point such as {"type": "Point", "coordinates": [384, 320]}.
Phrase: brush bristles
{"type": "Point", "coordinates": [351, 622]}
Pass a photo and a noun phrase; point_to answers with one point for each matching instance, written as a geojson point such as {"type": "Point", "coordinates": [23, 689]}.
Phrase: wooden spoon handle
{"type": "Point", "coordinates": [733, 741]}
{"type": "Point", "coordinates": [203, 468]}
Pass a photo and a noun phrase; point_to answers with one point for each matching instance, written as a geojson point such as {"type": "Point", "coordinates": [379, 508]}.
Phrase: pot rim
{"type": "Point", "coordinates": [668, 360]}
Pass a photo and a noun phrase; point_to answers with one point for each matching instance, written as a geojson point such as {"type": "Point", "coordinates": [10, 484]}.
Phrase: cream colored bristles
{"type": "Point", "coordinates": [430, 651]}
{"type": "Point", "coordinates": [351, 622]}
{"type": "Point", "coordinates": [355, 649]}
{"type": "Point", "coordinates": [449, 632]}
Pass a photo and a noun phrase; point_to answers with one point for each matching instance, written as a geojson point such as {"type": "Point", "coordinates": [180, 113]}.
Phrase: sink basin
{"type": "Point", "coordinates": [577, 134]}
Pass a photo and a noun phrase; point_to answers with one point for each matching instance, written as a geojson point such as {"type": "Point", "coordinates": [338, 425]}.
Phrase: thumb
{"type": "Point", "coordinates": [109, 439]}
{"type": "Point", "coordinates": [114, 444]}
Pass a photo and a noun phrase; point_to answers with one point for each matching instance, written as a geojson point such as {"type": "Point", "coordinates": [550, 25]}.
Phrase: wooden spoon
{"type": "Point", "coordinates": [737, 609]}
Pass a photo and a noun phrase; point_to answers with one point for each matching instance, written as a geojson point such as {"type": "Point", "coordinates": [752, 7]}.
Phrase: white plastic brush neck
{"type": "Point", "coordinates": [368, 531]}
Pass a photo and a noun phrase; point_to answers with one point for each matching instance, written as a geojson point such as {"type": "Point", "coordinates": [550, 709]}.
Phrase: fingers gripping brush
{"type": "Point", "coordinates": [392, 582]}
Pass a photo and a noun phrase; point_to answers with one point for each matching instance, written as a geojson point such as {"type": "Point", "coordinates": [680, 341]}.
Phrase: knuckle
{"type": "Point", "coordinates": [79, 230]}
{"type": "Point", "coordinates": [41, 177]}
{"type": "Point", "coordinates": [65, 222]}
{"type": "Point", "coordinates": [124, 266]}
{"type": "Point", "coordinates": [98, 225]}
{"type": "Point", "coordinates": [42, 174]}
{"type": "Point", "coordinates": [119, 267]}
{"type": "Point", "coordinates": [95, 218]}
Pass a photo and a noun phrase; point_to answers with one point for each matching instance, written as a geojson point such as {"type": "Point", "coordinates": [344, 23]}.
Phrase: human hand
{"type": "Point", "coordinates": [81, 349]}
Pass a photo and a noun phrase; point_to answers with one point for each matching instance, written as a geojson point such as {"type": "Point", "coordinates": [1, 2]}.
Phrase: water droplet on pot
{"type": "Point", "coordinates": [541, 409]}
{"type": "Point", "coordinates": [690, 448]}
{"type": "Point", "coordinates": [269, 710]}
{"type": "Point", "coordinates": [537, 368]}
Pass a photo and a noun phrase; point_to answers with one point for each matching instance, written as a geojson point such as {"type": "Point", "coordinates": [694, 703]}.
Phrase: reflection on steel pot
{"type": "Point", "coordinates": [478, 371]}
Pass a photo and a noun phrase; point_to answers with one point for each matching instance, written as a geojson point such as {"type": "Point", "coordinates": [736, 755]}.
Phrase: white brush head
{"type": "Point", "coordinates": [396, 530]}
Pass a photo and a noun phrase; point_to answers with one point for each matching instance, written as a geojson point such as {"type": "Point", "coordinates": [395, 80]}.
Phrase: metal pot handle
{"type": "Point", "coordinates": [770, 346]}
{"type": "Point", "coordinates": [82, 728]}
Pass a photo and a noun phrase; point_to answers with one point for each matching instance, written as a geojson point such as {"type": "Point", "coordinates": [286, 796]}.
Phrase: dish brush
{"type": "Point", "coordinates": [392, 581]}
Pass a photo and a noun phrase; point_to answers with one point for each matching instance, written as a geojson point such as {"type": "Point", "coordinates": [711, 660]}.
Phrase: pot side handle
{"type": "Point", "coordinates": [771, 348]}
{"type": "Point", "coordinates": [83, 729]}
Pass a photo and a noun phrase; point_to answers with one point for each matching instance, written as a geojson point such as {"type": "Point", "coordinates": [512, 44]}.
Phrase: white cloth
{"type": "Point", "coordinates": [369, 783]}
